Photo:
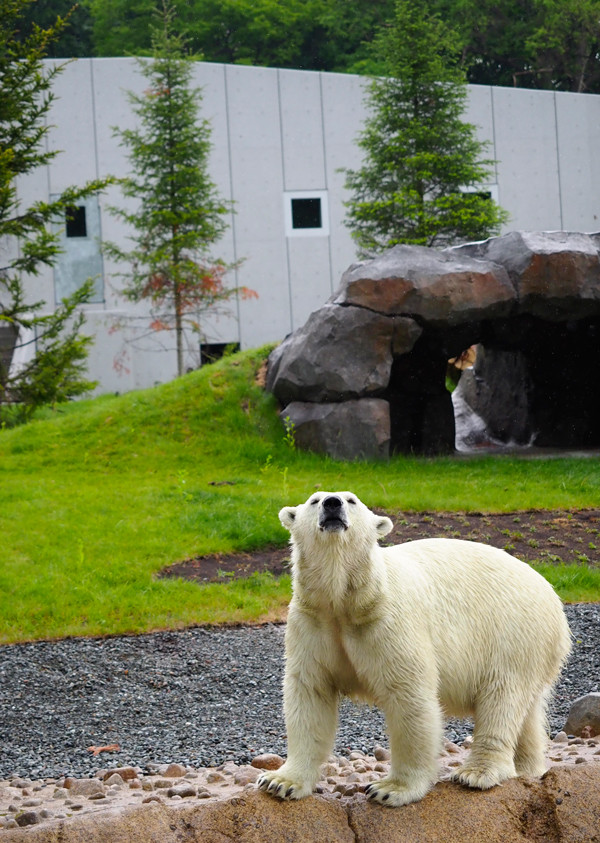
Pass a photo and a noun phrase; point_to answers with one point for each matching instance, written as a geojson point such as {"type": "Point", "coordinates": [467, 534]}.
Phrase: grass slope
{"type": "Point", "coordinates": [98, 496]}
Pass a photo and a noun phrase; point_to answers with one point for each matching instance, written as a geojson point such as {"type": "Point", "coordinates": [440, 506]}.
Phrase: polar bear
{"type": "Point", "coordinates": [422, 629]}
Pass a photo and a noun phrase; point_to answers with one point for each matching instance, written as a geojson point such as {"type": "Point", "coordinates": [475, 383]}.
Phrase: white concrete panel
{"type": "Point", "coordinates": [257, 185]}
{"type": "Point", "coordinates": [344, 110]}
{"type": "Point", "coordinates": [112, 79]}
{"type": "Point", "coordinates": [309, 276]}
{"type": "Point", "coordinates": [71, 122]}
{"type": "Point", "coordinates": [480, 114]}
{"type": "Point", "coordinates": [302, 130]}
{"type": "Point", "coordinates": [527, 157]}
{"type": "Point", "coordinates": [125, 356]}
{"type": "Point", "coordinates": [578, 129]}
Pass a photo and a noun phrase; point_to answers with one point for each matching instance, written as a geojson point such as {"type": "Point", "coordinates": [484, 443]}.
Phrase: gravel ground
{"type": "Point", "coordinates": [197, 697]}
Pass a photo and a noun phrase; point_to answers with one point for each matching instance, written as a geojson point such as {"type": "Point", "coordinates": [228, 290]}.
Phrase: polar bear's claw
{"type": "Point", "coordinates": [277, 785]}
{"type": "Point", "coordinates": [393, 793]}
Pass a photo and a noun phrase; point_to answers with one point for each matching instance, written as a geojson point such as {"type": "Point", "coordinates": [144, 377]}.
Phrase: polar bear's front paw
{"type": "Point", "coordinates": [280, 783]}
{"type": "Point", "coordinates": [482, 775]}
{"type": "Point", "coordinates": [394, 792]}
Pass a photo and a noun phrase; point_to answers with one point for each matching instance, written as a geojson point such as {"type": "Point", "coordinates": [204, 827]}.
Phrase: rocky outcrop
{"type": "Point", "coordinates": [562, 807]}
{"type": "Point", "coordinates": [530, 300]}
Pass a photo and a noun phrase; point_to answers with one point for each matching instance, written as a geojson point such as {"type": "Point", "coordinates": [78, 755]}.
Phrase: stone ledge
{"type": "Point", "coordinates": [562, 807]}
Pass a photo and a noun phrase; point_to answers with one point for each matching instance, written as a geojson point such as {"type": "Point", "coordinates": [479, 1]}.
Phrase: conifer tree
{"type": "Point", "coordinates": [180, 214]}
{"type": "Point", "coordinates": [55, 371]}
{"type": "Point", "coordinates": [423, 176]}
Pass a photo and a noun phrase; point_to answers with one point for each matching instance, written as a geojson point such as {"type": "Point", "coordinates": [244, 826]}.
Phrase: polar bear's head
{"type": "Point", "coordinates": [334, 513]}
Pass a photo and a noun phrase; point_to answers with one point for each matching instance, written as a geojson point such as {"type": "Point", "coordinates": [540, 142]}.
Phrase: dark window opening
{"type": "Point", "coordinates": [306, 213]}
{"type": "Point", "coordinates": [211, 352]}
{"type": "Point", "coordinates": [482, 194]}
{"type": "Point", "coordinates": [76, 221]}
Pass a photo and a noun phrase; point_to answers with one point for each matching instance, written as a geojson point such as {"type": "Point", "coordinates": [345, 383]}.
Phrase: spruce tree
{"type": "Point", "coordinates": [55, 370]}
{"type": "Point", "coordinates": [179, 215]}
{"type": "Point", "coordinates": [423, 170]}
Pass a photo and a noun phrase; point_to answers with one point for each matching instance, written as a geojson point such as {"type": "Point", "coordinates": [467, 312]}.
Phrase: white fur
{"type": "Point", "coordinates": [422, 629]}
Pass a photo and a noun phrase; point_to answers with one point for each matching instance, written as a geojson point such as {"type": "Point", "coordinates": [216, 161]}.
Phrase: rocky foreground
{"type": "Point", "coordinates": [218, 804]}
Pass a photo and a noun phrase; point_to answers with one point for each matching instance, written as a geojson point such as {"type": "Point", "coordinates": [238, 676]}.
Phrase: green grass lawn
{"type": "Point", "coordinates": [98, 496]}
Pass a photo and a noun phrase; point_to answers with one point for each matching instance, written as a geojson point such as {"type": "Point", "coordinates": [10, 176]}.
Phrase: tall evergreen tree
{"type": "Point", "coordinates": [56, 370]}
{"type": "Point", "coordinates": [423, 176]}
{"type": "Point", "coordinates": [180, 214]}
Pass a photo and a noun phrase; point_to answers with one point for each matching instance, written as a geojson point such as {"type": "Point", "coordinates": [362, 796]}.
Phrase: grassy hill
{"type": "Point", "coordinates": [97, 496]}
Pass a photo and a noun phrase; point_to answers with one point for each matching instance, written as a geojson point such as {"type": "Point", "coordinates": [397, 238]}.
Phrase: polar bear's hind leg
{"type": "Point", "coordinates": [502, 718]}
{"type": "Point", "coordinates": [532, 742]}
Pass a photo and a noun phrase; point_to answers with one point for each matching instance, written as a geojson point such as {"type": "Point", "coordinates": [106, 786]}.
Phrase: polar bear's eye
{"type": "Point", "coordinates": [314, 501]}
{"type": "Point", "coordinates": [351, 501]}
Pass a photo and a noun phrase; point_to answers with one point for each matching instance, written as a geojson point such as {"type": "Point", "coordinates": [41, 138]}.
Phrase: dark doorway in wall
{"type": "Point", "coordinates": [210, 352]}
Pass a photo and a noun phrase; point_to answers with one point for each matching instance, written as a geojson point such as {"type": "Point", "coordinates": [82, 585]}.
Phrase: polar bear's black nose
{"type": "Point", "coordinates": [332, 503]}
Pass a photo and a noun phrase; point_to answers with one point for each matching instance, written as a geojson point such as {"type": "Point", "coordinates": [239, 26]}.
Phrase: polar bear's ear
{"type": "Point", "coordinates": [287, 516]}
{"type": "Point", "coordinates": [383, 525]}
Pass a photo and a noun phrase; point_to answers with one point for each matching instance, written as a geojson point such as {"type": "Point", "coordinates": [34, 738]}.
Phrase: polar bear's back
{"type": "Point", "coordinates": [478, 606]}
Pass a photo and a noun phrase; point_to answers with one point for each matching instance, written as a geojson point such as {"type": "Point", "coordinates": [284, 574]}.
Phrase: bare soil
{"type": "Point", "coordinates": [547, 536]}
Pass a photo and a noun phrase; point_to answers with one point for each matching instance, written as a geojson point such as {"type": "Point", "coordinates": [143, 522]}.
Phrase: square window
{"type": "Point", "coordinates": [76, 222]}
{"type": "Point", "coordinates": [306, 213]}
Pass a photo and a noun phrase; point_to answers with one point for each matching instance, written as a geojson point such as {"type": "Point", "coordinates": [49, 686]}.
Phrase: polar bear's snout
{"type": "Point", "coordinates": [332, 514]}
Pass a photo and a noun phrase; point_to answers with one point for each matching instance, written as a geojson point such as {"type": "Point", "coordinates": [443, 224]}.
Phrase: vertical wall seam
{"type": "Point", "coordinates": [231, 199]}
{"type": "Point", "coordinates": [494, 138]}
{"type": "Point", "coordinates": [97, 172]}
{"type": "Point", "coordinates": [284, 183]}
{"type": "Point", "coordinates": [560, 200]}
{"type": "Point", "coordinates": [326, 182]}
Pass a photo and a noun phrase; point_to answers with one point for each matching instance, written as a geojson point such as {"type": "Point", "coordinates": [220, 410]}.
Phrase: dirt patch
{"type": "Point", "coordinates": [533, 535]}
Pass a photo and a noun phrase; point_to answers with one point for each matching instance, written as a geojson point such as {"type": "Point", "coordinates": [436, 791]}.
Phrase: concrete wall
{"type": "Point", "coordinates": [278, 135]}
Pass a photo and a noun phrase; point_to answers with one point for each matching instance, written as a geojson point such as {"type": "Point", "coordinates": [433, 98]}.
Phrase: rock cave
{"type": "Point", "coordinates": [366, 376]}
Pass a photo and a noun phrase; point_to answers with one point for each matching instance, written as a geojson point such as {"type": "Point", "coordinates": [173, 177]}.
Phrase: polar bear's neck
{"type": "Point", "coordinates": [334, 575]}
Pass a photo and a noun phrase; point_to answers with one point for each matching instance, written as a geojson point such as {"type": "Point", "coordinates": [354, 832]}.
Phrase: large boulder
{"type": "Point", "coordinates": [345, 431]}
{"type": "Point", "coordinates": [556, 273]}
{"type": "Point", "coordinates": [438, 287]}
{"type": "Point", "coordinates": [340, 353]}
{"type": "Point", "coordinates": [584, 714]}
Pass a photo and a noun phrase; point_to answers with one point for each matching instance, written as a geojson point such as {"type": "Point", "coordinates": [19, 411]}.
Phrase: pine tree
{"type": "Point", "coordinates": [180, 214]}
{"type": "Point", "coordinates": [422, 176]}
{"type": "Point", "coordinates": [56, 370]}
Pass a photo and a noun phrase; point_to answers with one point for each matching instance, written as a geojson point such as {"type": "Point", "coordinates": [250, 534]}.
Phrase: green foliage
{"type": "Point", "coordinates": [99, 495]}
{"type": "Point", "coordinates": [55, 373]}
{"type": "Point", "coordinates": [180, 214]}
{"type": "Point", "coordinates": [551, 44]}
{"type": "Point", "coordinates": [423, 171]}
{"type": "Point", "coordinates": [72, 40]}
{"type": "Point", "coordinates": [526, 43]}
{"type": "Point", "coordinates": [307, 34]}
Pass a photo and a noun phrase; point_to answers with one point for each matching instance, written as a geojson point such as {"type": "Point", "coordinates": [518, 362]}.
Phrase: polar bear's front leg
{"type": "Point", "coordinates": [311, 720]}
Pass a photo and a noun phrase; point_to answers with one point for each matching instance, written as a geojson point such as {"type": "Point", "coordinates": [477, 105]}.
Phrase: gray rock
{"type": "Point", "coordinates": [339, 354]}
{"type": "Point", "coordinates": [182, 791]}
{"type": "Point", "coordinates": [28, 818]}
{"type": "Point", "coordinates": [440, 287]}
{"type": "Point", "coordinates": [346, 431]}
{"type": "Point", "coordinates": [85, 787]}
{"type": "Point", "coordinates": [556, 273]}
{"type": "Point", "coordinates": [584, 713]}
